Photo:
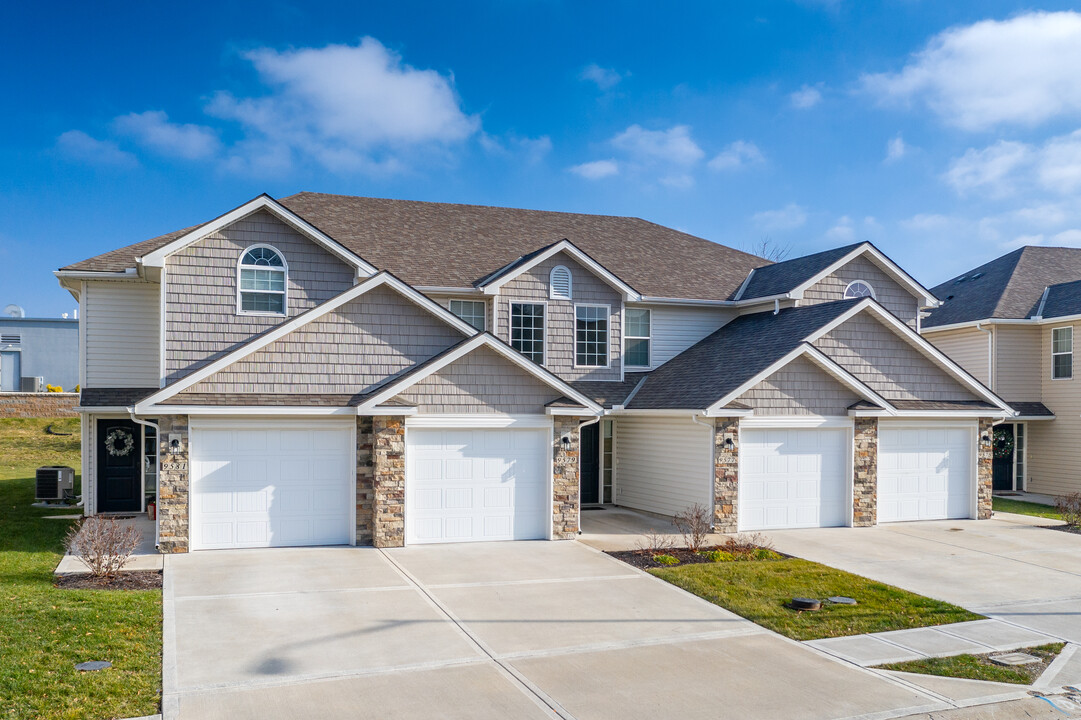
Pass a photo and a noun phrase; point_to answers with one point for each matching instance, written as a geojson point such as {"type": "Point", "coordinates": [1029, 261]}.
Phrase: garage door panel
{"type": "Point", "coordinates": [924, 473]}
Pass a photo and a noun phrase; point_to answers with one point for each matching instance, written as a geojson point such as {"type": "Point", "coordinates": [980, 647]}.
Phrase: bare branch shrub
{"type": "Point", "coordinates": [104, 544]}
{"type": "Point", "coordinates": [655, 542]}
{"type": "Point", "coordinates": [749, 542]}
{"type": "Point", "coordinates": [693, 525]}
{"type": "Point", "coordinates": [768, 248]}
{"type": "Point", "coordinates": [1070, 507]}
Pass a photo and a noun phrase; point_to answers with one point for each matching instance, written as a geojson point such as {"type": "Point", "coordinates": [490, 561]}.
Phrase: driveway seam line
{"type": "Point", "coordinates": [272, 593]}
{"type": "Point", "coordinates": [538, 581]}
{"type": "Point", "coordinates": [529, 689]}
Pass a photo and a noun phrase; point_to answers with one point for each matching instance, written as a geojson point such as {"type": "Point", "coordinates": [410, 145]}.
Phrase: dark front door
{"type": "Point", "coordinates": [591, 464]}
{"type": "Point", "coordinates": [119, 455]}
{"type": "Point", "coordinates": [1002, 467]}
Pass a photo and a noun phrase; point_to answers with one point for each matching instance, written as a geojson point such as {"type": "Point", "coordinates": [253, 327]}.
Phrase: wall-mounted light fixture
{"type": "Point", "coordinates": [985, 439]}
{"type": "Point", "coordinates": [566, 443]}
{"type": "Point", "coordinates": [175, 445]}
{"type": "Point", "coordinates": [728, 442]}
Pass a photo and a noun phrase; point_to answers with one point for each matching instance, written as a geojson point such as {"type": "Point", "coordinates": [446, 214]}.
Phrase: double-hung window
{"type": "Point", "coordinates": [472, 311]}
{"type": "Point", "coordinates": [527, 330]}
{"type": "Point", "coordinates": [591, 335]}
{"type": "Point", "coordinates": [1062, 353]}
{"type": "Point", "coordinates": [261, 278]}
{"type": "Point", "coordinates": [636, 334]}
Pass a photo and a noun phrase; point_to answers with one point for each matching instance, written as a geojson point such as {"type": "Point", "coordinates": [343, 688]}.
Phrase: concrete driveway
{"type": "Point", "coordinates": [1006, 567]}
{"type": "Point", "coordinates": [493, 630]}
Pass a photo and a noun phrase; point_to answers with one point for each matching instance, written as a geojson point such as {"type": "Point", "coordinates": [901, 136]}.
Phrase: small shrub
{"type": "Point", "coordinates": [104, 544]}
{"type": "Point", "coordinates": [693, 525]}
{"type": "Point", "coordinates": [749, 542]}
{"type": "Point", "coordinates": [1070, 508]}
{"type": "Point", "coordinates": [54, 388]}
{"type": "Point", "coordinates": [717, 556]}
{"type": "Point", "coordinates": [656, 543]}
{"type": "Point", "coordinates": [765, 554]}
{"type": "Point", "coordinates": [665, 559]}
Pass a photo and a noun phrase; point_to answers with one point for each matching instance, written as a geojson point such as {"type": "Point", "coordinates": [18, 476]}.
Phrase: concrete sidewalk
{"type": "Point", "coordinates": [145, 557]}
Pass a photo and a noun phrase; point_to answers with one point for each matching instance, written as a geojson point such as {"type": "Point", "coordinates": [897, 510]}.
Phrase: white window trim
{"type": "Point", "coordinates": [1053, 353]}
{"type": "Point", "coordinates": [552, 288]}
{"type": "Point", "coordinates": [544, 328]}
{"type": "Point", "coordinates": [627, 337]}
{"type": "Point", "coordinates": [608, 341]}
{"type": "Point", "coordinates": [285, 292]}
{"type": "Point", "coordinates": [483, 310]}
{"type": "Point", "coordinates": [874, 296]}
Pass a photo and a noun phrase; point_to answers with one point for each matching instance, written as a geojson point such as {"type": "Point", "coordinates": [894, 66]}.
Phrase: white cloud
{"type": "Point", "coordinates": [895, 149]}
{"type": "Point", "coordinates": [1060, 164]}
{"type": "Point", "coordinates": [604, 78]}
{"type": "Point", "coordinates": [737, 155]}
{"type": "Point", "coordinates": [78, 146]}
{"type": "Point", "coordinates": [596, 170]}
{"type": "Point", "coordinates": [1067, 237]}
{"type": "Point", "coordinates": [531, 150]}
{"type": "Point", "coordinates": [991, 169]}
{"type": "Point", "coordinates": [673, 146]}
{"type": "Point", "coordinates": [347, 107]}
{"type": "Point", "coordinates": [842, 230]}
{"type": "Point", "coordinates": [153, 130]}
{"type": "Point", "coordinates": [1021, 71]}
{"type": "Point", "coordinates": [806, 97]}
{"type": "Point", "coordinates": [680, 181]}
{"type": "Point", "coordinates": [789, 217]}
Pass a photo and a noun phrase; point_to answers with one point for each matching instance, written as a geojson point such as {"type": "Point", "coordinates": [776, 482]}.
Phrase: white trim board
{"type": "Point", "coordinates": [263, 202]}
{"type": "Point", "coordinates": [479, 420]}
{"type": "Point", "coordinates": [629, 293]}
{"type": "Point", "coordinates": [383, 278]}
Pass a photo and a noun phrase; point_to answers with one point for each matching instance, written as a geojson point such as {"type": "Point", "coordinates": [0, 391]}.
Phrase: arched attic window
{"type": "Point", "coordinates": [262, 275]}
{"type": "Point", "coordinates": [859, 289]}
{"type": "Point", "coordinates": [559, 283]}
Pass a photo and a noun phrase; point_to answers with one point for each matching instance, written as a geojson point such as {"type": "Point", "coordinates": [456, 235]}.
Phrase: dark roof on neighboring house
{"type": "Point", "coordinates": [1062, 300]}
{"type": "Point", "coordinates": [782, 277]}
{"type": "Point", "coordinates": [719, 364]}
{"type": "Point", "coordinates": [446, 245]}
{"type": "Point", "coordinates": [113, 397]}
{"type": "Point", "coordinates": [1007, 287]}
{"type": "Point", "coordinates": [1030, 408]}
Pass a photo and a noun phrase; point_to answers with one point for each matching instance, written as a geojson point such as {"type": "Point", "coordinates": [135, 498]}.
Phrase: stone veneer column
{"type": "Point", "coordinates": [365, 482]}
{"type": "Point", "coordinates": [173, 527]}
{"type": "Point", "coordinates": [726, 475]}
{"type": "Point", "coordinates": [865, 473]}
{"type": "Point", "coordinates": [388, 450]}
{"type": "Point", "coordinates": [984, 455]}
{"type": "Point", "coordinates": [565, 487]}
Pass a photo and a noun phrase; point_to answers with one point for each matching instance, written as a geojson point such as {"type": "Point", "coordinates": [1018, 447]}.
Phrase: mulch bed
{"type": "Point", "coordinates": [134, 580]}
{"type": "Point", "coordinates": [1063, 528]}
{"type": "Point", "coordinates": [643, 559]}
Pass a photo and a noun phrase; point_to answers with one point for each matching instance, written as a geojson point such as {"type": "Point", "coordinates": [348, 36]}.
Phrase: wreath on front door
{"type": "Point", "coordinates": [122, 438]}
{"type": "Point", "coordinates": [1003, 443]}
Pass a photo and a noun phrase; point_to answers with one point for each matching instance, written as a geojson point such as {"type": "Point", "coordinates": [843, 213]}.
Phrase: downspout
{"type": "Point", "coordinates": [776, 306]}
{"type": "Point", "coordinates": [990, 355]}
{"type": "Point", "coordinates": [580, 426]}
{"type": "Point", "coordinates": [712, 450]}
{"type": "Point", "coordinates": [157, 490]}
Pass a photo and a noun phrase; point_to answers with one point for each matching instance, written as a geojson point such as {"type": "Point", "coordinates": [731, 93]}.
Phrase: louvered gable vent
{"type": "Point", "coordinates": [560, 283]}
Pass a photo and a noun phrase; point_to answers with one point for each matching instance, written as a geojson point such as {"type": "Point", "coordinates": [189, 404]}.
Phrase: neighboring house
{"type": "Point", "coordinates": [1012, 323]}
{"type": "Point", "coordinates": [32, 348]}
{"type": "Point", "coordinates": [328, 369]}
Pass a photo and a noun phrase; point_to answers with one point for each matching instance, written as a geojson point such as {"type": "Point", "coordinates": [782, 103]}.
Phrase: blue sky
{"type": "Point", "coordinates": [945, 133]}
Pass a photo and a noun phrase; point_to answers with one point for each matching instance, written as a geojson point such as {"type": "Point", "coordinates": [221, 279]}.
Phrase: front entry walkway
{"type": "Point", "coordinates": [482, 630]}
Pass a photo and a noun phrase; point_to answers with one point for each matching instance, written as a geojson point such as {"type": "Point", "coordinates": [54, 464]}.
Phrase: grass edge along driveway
{"type": "Point", "coordinates": [758, 591]}
{"type": "Point", "coordinates": [44, 631]}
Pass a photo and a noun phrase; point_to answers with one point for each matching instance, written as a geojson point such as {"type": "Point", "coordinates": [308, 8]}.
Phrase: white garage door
{"type": "Point", "coordinates": [483, 484]}
{"type": "Point", "coordinates": [271, 484]}
{"type": "Point", "coordinates": [924, 472]}
{"type": "Point", "coordinates": [793, 478]}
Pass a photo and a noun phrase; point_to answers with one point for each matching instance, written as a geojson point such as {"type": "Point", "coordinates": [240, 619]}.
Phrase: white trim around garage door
{"type": "Point", "coordinates": [974, 455]}
{"type": "Point", "coordinates": [203, 423]}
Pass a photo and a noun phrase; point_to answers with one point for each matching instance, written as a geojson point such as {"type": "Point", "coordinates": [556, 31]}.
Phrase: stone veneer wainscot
{"type": "Point", "coordinates": [726, 475]}
{"type": "Point", "coordinates": [173, 507]}
{"type": "Point", "coordinates": [865, 473]}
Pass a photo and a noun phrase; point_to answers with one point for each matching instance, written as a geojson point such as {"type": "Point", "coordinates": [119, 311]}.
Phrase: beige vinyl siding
{"type": "Point", "coordinates": [673, 329]}
{"type": "Point", "coordinates": [200, 284]}
{"type": "Point", "coordinates": [587, 289]}
{"type": "Point", "coordinates": [663, 465]}
{"type": "Point", "coordinates": [799, 388]}
{"type": "Point", "coordinates": [349, 350]}
{"type": "Point", "coordinates": [1054, 453]}
{"type": "Point", "coordinates": [123, 334]}
{"type": "Point", "coordinates": [481, 382]}
{"type": "Point", "coordinates": [968, 347]}
{"type": "Point", "coordinates": [1017, 355]}
{"type": "Point", "coordinates": [887, 363]}
{"type": "Point", "coordinates": [891, 294]}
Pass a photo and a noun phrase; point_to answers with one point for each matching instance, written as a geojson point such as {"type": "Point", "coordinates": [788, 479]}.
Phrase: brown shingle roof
{"type": "Point", "coordinates": [446, 245]}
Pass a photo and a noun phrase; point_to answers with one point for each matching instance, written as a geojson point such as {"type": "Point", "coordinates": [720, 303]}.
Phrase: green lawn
{"type": "Point", "coordinates": [44, 631]}
{"type": "Point", "coordinates": [759, 590]}
{"type": "Point", "coordinates": [979, 667]}
{"type": "Point", "coordinates": [1019, 507]}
